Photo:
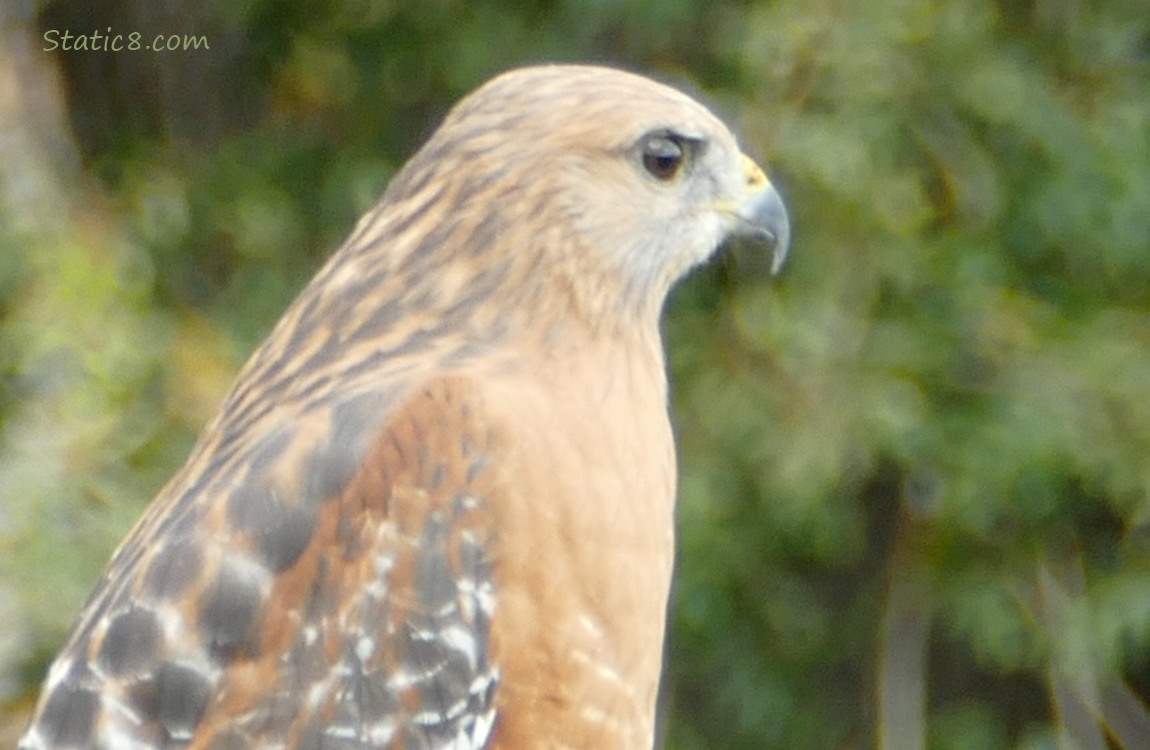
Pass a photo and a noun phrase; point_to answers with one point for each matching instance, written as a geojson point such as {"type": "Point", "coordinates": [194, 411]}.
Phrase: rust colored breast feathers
{"type": "Point", "coordinates": [435, 511]}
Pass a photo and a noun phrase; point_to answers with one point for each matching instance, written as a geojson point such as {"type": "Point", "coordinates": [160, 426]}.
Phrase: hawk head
{"type": "Point", "coordinates": [609, 182]}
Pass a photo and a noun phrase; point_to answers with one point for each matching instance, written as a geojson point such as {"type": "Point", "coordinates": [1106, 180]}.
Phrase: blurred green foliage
{"type": "Point", "coordinates": [940, 411]}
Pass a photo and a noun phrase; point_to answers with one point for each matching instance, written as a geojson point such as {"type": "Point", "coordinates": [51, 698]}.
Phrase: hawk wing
{"type": "Point", "coordinates": [338, 595]}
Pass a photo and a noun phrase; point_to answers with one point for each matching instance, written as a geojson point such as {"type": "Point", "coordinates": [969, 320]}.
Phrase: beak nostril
{"type": "Point", "coordinates": [756, 180]}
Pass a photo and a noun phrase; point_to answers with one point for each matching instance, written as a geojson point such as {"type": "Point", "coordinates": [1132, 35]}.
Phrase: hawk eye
{"type": "Point", "coordinates": [663, 156]}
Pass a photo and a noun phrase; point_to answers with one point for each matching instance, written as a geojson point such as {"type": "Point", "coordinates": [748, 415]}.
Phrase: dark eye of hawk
{"type": "Point", "coordinates": [664, 155]}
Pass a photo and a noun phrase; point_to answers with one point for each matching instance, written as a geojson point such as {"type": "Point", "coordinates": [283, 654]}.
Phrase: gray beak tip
{"type": "Point", "coordinates": [765, 218]}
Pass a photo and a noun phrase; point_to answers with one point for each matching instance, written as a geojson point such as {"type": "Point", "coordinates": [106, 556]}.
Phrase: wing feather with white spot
{"type": "Point", "coordinates": [315, 603]}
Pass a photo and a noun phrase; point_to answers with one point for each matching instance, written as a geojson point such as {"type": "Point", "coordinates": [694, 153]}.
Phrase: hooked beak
{"type": "Point", "coordinates": [762, 215]}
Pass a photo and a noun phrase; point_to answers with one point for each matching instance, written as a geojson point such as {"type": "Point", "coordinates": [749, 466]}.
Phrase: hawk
{"type": "Point", "coordinates": [435, 511]}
